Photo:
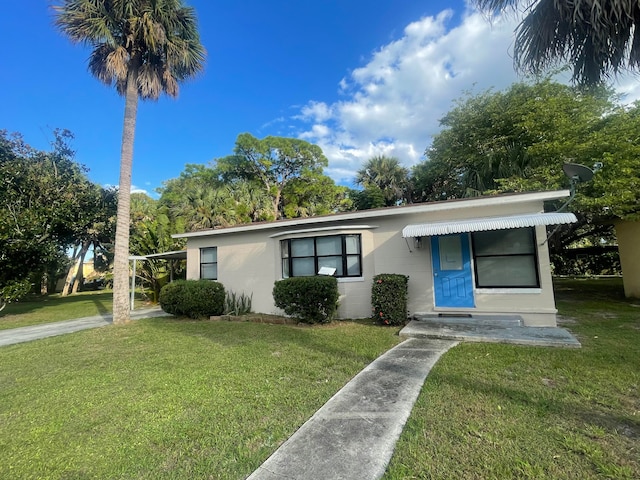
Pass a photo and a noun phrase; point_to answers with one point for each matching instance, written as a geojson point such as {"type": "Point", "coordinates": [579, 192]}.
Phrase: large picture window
{"type": "Point", "coordinates": [304, 257]}
{"type": "Point", "coordinates": [209, 263]}
{"type": "Point", "coordinates": [505, 258]}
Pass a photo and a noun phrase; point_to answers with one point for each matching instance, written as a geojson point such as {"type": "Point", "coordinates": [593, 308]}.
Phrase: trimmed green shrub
{"type": "Point", "coordinates": [310, 299]}
{"type": "Point", "coordinates": [193, 298]}
{"type": "Point", "coordinates": [389, 298]}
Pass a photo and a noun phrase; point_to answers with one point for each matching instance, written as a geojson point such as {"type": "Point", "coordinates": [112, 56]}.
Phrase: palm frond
{"type": "Point", "coordinates": [598, 37]}
{"type": "Point", "coordinates": [156, 40]}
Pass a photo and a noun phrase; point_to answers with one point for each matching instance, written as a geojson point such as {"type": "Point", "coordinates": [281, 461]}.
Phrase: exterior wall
{"type": "Point", "coordinates": [628, 234]}
{"type": "Point", "coordinates": [246, 264]}
{"type": "Point", "coordinates": [249, 262]}
{"type": "Point", "coordinates": [392, 255]}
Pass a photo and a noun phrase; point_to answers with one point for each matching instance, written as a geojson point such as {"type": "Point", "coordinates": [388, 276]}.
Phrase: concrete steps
{"type": "Point", "coordinates": [471, 319]}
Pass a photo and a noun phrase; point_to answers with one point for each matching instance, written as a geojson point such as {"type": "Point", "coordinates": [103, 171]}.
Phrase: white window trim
{"type": "Point", "coordinates": [350, 279]}
{"type": "Point", "coordinates": [340, 229]}
{"type": "Point", "coordinates": [508, 291]}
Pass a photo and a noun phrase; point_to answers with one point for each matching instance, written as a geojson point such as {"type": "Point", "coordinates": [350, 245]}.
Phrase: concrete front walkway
{"type": "Point", "coordinates": [354, 434]}
{"type": "Point", "coordinates": [35, 332]}
{"type": "Point", "coordinates": [493, 330]}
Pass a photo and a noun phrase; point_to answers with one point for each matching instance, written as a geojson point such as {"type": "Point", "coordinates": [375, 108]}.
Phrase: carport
{"type": "Point", "coordinates": [170, 256]}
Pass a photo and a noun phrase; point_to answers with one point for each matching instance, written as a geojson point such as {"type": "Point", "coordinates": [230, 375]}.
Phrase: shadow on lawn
{"type": "Point", "coordinates": [230, 334]}
{"type": "Point", "coordinates": [590, 289]}
{"type": "Point", "coordinates": [35, 302]}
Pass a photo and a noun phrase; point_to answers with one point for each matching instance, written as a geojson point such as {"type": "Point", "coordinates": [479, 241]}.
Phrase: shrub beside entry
{"type": "Point", "coordinates": [389, 298]}
{"type": "Point", "coordinates": [310, 299]}
{"type": "Point", "coordinates": [193, 298]}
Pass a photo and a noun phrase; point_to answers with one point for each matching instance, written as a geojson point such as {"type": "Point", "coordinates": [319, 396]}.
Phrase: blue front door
{"type": "Point", "coordinates": [452, 280]}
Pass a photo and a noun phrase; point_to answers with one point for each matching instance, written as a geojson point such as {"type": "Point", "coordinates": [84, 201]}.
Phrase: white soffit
{"type": "Point", "coordinates": [487, 223]}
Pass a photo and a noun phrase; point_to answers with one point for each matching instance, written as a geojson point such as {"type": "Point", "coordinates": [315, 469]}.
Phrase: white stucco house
{"type": "Point", "coordinates": [483, 255]}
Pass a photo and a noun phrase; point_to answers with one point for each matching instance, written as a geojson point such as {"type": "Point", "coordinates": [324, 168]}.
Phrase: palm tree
{"type": "Point", "coordinates": [388, 175]}
{"type": "Point", "coordinates": [144, 48]}
{"type": "Point", "coordinates": [598, 37]}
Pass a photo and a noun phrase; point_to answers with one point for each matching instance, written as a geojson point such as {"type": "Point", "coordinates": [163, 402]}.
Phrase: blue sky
{"type": "Point", "coordinates": [359, 78]}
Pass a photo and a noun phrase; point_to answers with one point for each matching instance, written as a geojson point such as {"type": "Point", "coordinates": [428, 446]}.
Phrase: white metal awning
{"type": "Point", "coordinates": [487, 223]}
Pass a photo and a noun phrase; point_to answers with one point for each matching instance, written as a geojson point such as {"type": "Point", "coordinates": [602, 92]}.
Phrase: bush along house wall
{"type": "Point", "coordinates": [310, 299]}
{"type": "Point", "coordinates": [389, 298]}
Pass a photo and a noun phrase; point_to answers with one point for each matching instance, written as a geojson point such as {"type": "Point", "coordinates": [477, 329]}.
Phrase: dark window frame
{"type": "Point", "coordinates": [285, 245]}
{"type": "Point", "coordinates": [202, 264]}
{"type": "Point", "coordinates": [533, 255]}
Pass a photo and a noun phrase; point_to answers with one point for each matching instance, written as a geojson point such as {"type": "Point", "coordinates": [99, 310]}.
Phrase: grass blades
{"type": "Point", "coordinates": [500, 411]}
{"type": "Point", "coordinates": [36, 310]}
{"type": "Point", "coordinates": [177, 399]}
{"type": "Point", "coordinates": [164, 398]}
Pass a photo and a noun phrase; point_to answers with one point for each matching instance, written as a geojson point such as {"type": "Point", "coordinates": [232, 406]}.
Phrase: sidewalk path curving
{"type": "Point", "coordinates": [354, 434]}
{"type": "Point", "coordinates": [35, 332]}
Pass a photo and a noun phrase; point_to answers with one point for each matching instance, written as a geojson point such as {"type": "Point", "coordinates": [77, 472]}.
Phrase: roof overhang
{"type": "Point", "coordinates": [175, 255]}
{"type": "Point", "coordinates": [487, 223]}
{"type": "Point", "coordinates": [360, 215]}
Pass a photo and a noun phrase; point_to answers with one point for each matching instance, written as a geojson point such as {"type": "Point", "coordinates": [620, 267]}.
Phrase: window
{"type": "Point", "coordinates": [209, 263]}
{"type": "Point", "coordinates": [505, 258]}
{"type": "Point", "coordinates": [304, 257]}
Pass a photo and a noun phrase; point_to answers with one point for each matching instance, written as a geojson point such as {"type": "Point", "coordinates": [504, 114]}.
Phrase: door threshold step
{"type": "Point", "coordinates": [471, 319]}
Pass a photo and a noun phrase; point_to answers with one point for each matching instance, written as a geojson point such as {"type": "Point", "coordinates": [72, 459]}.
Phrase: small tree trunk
{"type": "Point", "coordinates": [44, 284]}
{"type": "Point", "coordinates": [71, 273]}
{"type": "Point", "coordinates": [276, 204]}
{"type": "Point", "coordinates": [80, 273]}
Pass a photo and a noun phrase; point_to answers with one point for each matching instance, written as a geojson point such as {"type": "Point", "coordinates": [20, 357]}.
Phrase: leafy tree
{"type": "Point", "coordinates": [370, 197]}
{"type": "Point", "coordinates": [387, 174]}
{"type": "Point", "coordinates": [151, 231]}
{"type": "Point", "coordinates": [94, 229]}
{"type": "Point", "coordinates": [598, 37]}
{"type": "Point", "coordinates": [614, 191]}
{"type": "Point", "coordinates": [273, 163]}
{"type": "Point", "coordinates": [315, 194]}
{"type": "Point", "coordinates": [496, 135]}
{"type": "Point", "coordinates": [198, 199]}
{"type": "Point", "coordinates": [42, 195]}
{"type": "Point", "coordinates": [234, 189]}
{"type": "Point", "coordinates": [518, 140]}
{"type": "Point", "coordinates": [144, 48]}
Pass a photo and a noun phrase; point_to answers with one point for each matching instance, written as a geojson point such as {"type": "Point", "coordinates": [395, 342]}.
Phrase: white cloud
{"type": "Point", "coordinates": [628, 87]}
{"type": "Point", "coordinates": [134, 189]}
{"type": "Point", "coordinates": [315, 111]}
{"type": "Point", "coordinates": [394, 102]}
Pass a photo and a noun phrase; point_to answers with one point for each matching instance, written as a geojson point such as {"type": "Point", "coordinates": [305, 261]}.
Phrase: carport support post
{"type": "Point", "coordinates": [133, 276]}
{"type": "Point", "coordinates": [133, 282]}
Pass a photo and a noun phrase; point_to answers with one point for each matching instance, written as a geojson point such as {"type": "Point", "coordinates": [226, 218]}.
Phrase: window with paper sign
{"type": "Point", "coordinates": [305, 257]}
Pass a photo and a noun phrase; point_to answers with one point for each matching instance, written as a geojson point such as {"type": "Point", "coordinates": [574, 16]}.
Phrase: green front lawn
{"type": "Point", "coordinates": [499, 411]}
{"type": "Point", "coordinates": [165, 398]}
{"type": "Point", "coordinates": [35, 310]}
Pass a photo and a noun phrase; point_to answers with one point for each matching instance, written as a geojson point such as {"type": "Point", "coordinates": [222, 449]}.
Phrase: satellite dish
{"type": "Point", "coordinates": [577, 173]}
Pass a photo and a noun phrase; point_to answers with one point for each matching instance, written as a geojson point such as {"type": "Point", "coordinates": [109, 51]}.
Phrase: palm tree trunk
{"type": "Point", "coordinates": [121, 259]}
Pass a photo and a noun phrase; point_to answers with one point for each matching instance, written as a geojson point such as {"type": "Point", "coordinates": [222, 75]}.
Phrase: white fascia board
{"type": "Point", "coordinates": [386, 212]}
